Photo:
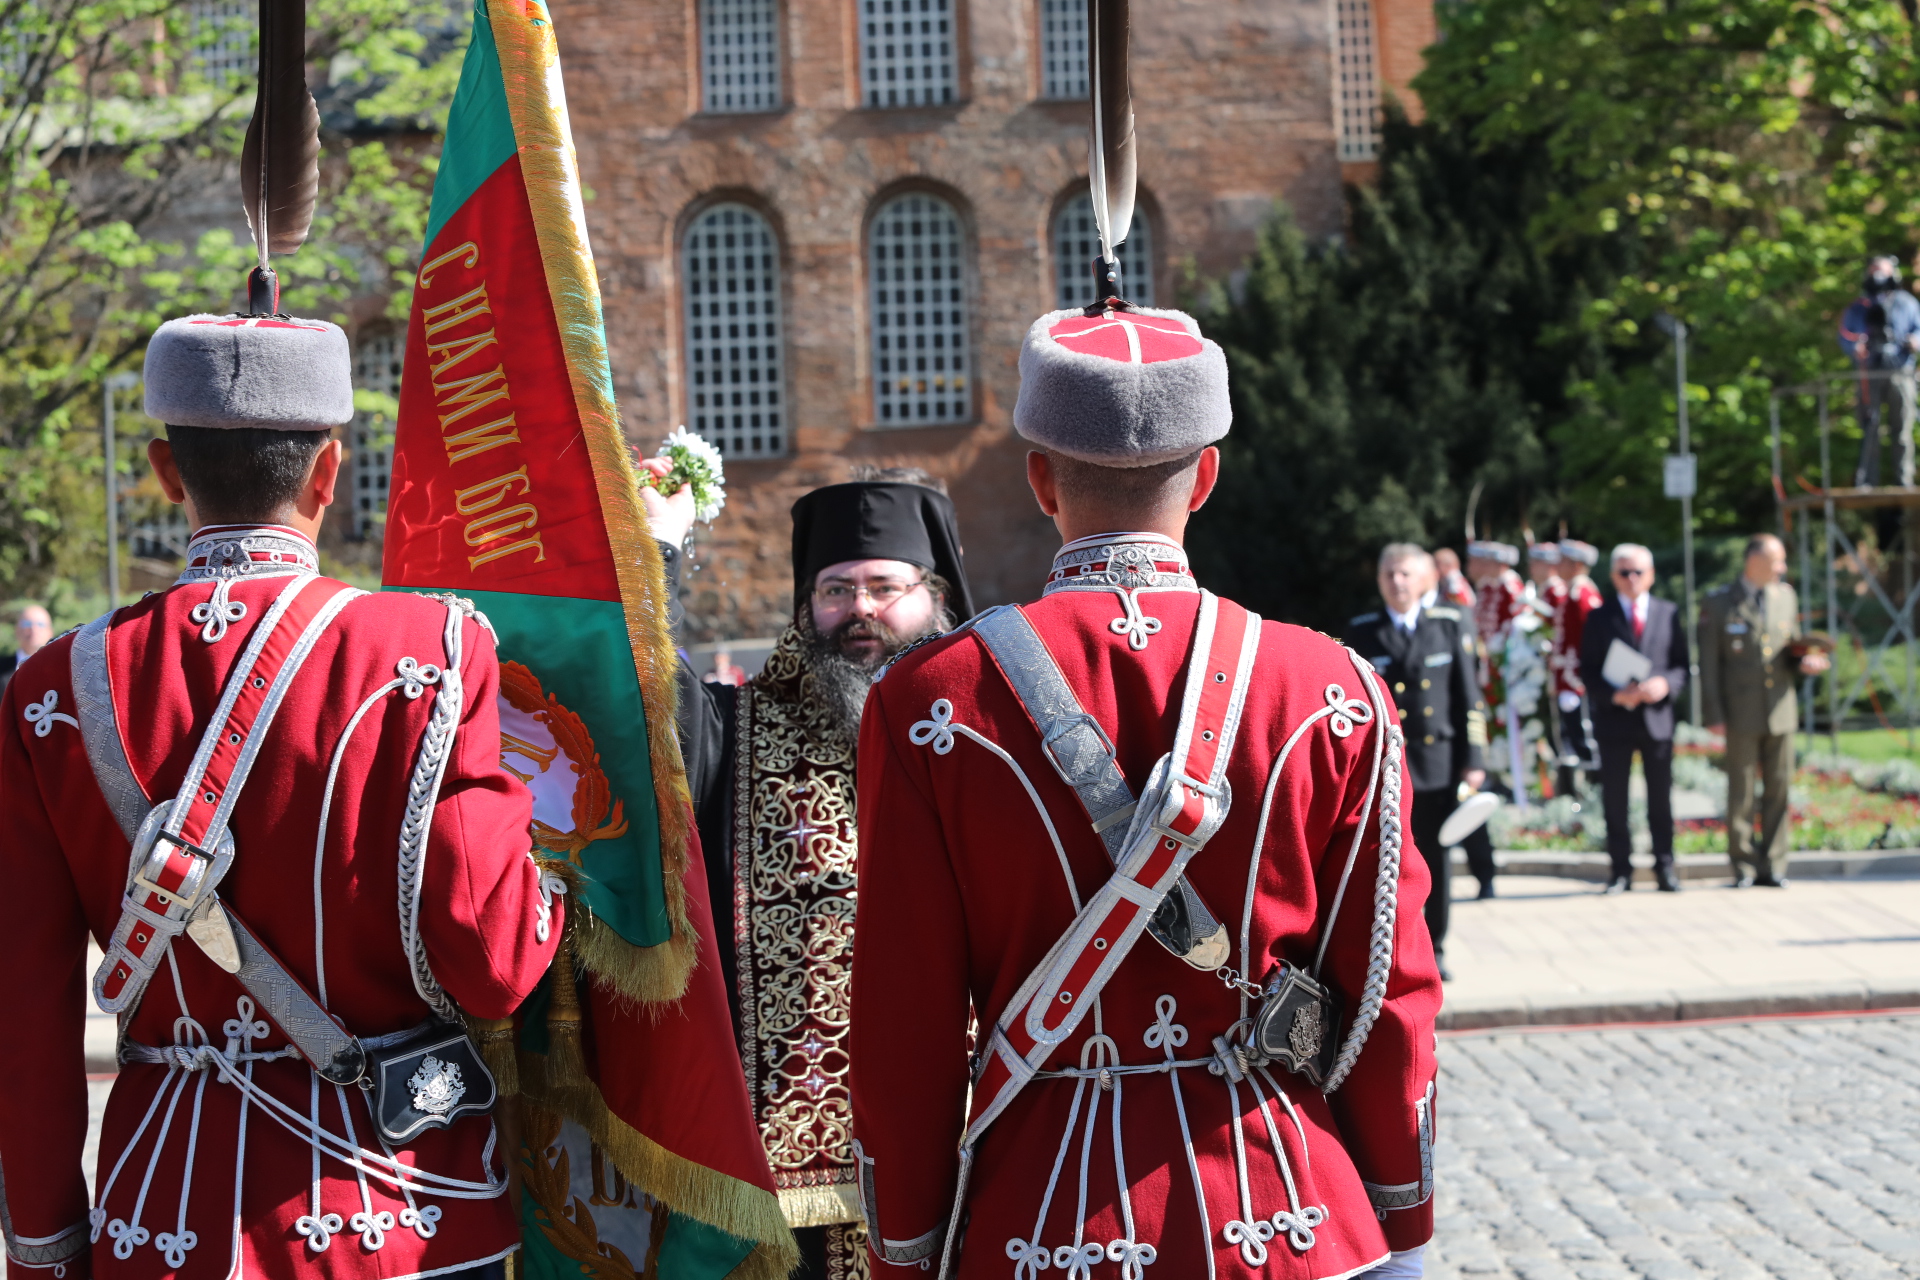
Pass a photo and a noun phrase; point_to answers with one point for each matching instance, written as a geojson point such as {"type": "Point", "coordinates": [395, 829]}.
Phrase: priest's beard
{"type": "Point", "coordinates": [840, 682]}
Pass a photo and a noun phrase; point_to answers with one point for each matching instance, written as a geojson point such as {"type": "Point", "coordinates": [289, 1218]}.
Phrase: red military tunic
{"type": "Point", "coordinates": [1549, 596]}
{"type": "Point", "coordinates": [964, 888]}
{"type": "Point", "coordinates": [190, 1181]}
{"type": "Point", "coordinates": [1569, 622]}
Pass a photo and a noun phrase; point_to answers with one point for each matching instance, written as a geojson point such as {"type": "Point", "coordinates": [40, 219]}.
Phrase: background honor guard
{"type": "Point", "coordinates": [1426, 656]}
{"type": "Point", "coordinates": [1197, 814]}
{"type": "Point", "coordinates": [1451, 585]}
{"type": "Point", "coordinates": [283, 750]}
{"type": "Point", "coordinates": [1499, 598]}
{"type": "Point", "coordinates": [877, 566]}
{"type": "Point", "coordinates": [1547, 596]}
{"type": "Point", "coordinates": [1749, 663]}
{"type": "Point", "coordinates": [1570, 692]}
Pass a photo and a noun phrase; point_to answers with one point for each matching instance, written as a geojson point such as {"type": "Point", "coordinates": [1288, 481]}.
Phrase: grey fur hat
{"type": "Point", "coordinates": [1121, 388]}
{"type": "Point", "coordinates": [249, 371]}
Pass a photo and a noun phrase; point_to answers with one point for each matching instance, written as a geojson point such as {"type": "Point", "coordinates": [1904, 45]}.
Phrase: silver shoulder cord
{"type": "Point", "coordinates": [423, 793]}
{"type": "Point", "coordinates": [1386, 888]}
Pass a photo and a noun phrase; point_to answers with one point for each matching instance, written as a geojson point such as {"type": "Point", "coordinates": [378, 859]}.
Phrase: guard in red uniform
{"type": "Point", "coordinates": [276, 802]}
{"type": "Point", "coordinates": [1569, 624]}
{"type": "Point", "coordinates": [1155, 844]}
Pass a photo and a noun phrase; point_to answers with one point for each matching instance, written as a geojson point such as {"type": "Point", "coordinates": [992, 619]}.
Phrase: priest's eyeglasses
{"type": "Point", "coordinates": [883, 594]}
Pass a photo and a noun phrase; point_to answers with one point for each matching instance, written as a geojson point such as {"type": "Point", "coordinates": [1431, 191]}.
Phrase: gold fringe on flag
{"type": "Point", "coordinates": [529, 66]}
{"type": "Point", "coordinates": [705, 1195]}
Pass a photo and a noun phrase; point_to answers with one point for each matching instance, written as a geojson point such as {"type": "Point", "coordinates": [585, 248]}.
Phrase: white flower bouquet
{"type": "Point", "coordinates": [691, 461]}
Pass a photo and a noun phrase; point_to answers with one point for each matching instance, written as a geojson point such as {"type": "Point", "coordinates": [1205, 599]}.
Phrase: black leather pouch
{"type": "Point", "coordinates": [1298, 1025]}
{"type": "Point", "coordinates": [426, 1078]}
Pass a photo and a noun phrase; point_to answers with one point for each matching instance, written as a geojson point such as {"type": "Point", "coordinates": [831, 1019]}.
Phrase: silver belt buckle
{"type": "Point", "coordinates": [209, 865]}
{"type": "Point", "coordinates": [188, 895]}
{"type": "Point", "coordinates": [1078, 749]}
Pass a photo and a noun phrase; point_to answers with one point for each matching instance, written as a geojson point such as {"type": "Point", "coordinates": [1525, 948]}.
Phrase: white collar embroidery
{"type": "Point", "coordinates": [1126, 564]}
{"type": "Point", "coordinates": [225, 553]}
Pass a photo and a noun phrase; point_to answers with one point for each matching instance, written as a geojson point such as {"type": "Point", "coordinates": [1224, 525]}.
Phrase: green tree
{"type": "Point", "coordinates": [1756, 154]}
{"type": "Point", "coordinates": [111, 122]}
{"type": "Point", "coordinates": [1380, 381]}
{"type": "Point", "coordinates": [1585, 166]}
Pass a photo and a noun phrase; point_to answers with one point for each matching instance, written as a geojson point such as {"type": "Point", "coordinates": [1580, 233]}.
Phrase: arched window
{"type": "Point", "coordinates": [1063, 38]}
{"type": "Point", "coordinates": [920, 365]}
{"type": "Point", "coordinates": [906, 52]}
{"type": "Point", "coordinates": [1076, 243]}
{"type": "Point", "coordinates": [376, 367]}
{"type": "Point", "coordinates": [732, 267]}
{"type": "Point", "coordinates": [739, 55]}
{"type": "Point", "coordinates": [1356, 81]}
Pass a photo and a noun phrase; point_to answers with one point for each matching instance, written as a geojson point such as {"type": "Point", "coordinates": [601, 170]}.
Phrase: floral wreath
{"type": "Point", "coordinates": [597, 814]}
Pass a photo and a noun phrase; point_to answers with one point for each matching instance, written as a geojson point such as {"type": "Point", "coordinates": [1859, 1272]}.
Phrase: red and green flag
{"type": "Point", "coordinates": [512, 485]}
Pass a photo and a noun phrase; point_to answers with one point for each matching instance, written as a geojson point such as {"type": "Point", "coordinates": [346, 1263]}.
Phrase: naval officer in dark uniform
{"type": "Point", "coordinates": [1426, 656]}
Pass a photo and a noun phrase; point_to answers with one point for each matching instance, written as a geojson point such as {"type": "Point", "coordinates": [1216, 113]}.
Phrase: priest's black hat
{"type": "Point", "coordinates": [879, 520]}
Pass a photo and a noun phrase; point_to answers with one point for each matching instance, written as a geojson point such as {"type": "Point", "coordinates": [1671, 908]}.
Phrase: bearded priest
{"type": "Point", "coordinates": [876, 567]}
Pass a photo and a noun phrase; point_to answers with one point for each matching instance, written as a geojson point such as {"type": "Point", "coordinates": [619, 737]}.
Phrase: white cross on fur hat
{"type": "Point", "coordinates": [1121, 388]}
{"type": "Point", "coordinates": [249, 371]}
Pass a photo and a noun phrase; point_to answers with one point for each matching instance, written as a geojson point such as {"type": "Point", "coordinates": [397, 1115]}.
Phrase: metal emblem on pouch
{"type": "Point", "coordinates": [1293, 1024]}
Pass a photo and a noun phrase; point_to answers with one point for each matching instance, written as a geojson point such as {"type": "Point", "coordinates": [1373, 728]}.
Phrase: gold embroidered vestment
{"type": "Point", "coordinates": [794, 850]}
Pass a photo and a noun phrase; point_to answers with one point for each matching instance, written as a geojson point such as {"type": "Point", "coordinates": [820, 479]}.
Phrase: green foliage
{"type": "Point", "coordinates": [114, 127]}
{"type": "Point", "coordinates": [1758, 154]}
{"type": "Point", "coordinates": [1733, 165]}
{"type": "Point", "coordinates": [1378, 382]}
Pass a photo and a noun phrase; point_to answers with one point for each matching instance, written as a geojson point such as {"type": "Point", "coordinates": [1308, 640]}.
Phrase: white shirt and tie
{"type": "Point", "coordinates": [1636, 611]}
{"type": "Point", "coordinates": [1407, 622]}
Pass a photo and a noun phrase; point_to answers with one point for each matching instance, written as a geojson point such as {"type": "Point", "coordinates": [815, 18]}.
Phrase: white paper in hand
{"type": "Point", "coordinates": [1624, 665]}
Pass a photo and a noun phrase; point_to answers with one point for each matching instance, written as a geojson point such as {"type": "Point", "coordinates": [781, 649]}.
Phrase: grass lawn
{"type": "Point", "coordinates": [1876, 745]}
{"type": "Point", "coordinates": [1848, 809]}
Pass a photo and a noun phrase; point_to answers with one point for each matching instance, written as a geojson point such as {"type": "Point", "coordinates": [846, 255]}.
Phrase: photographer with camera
{"type": "Point", "coordinates": [1881, 331]}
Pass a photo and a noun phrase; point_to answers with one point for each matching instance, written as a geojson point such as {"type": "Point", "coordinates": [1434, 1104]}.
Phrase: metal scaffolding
{"type": "Point", "coordinates": [1829, 500]}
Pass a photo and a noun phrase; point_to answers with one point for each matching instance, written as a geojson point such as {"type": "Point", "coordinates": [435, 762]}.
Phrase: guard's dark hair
{"type": "Point", "coordinates": [1122, 489]}
{"type": "Point", "coordinates": [243, 475]}
{"type": "Point", "coordinates": [1759, 542]}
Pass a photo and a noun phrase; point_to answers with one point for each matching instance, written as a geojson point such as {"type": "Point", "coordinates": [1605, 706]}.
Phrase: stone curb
{"type": "Point", "coordinates": [1811, 864]}
{"type": "Point", "coordinates": [1684, 1005]}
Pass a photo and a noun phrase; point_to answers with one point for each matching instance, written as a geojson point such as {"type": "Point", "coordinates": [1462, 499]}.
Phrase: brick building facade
{"type": "Point", "coordinates": [823, 227]}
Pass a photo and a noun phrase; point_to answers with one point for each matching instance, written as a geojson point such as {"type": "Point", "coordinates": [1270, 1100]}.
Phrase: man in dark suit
{"type": "Point", "coordinates": [32, 630]}
{"type": "Point", "coordinates": [1426, 656]}
{"type": "Point", "coordinates": [1636, 715]}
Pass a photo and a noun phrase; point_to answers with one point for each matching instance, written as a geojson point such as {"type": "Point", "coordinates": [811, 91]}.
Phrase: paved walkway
{"type": "Point", "coordinates": [1556, 950]}
{"type": "Point", "coordinates": [1741, 1151]}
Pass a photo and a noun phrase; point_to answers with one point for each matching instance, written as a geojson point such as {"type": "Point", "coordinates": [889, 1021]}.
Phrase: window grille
{"type": "Point", "coordinates": [223, 34]}
{"type": "Point", "coordinates": [1075, 245]}
{"type": "Point", "coordinates": [376, 367]}
{"type": "Point", "coordinates": [1063, 43]}
{"type": "Point", "coordinates": [920, 369]}
{"type": "Point", "coordinates": [906, 52]}
{"type": "Point", "coordinates": [740, 55]}
{"type": "Point", "coordinates": [1356, 82]}
{"type": "Point", "coordinates": [732, 268]}
{"type": "Point", "coordinates": [164, 537]}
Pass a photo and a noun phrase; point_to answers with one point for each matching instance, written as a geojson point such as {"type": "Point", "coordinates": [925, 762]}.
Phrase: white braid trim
{"type": "Point", "coordinates": [423, 793]}
{"type": "Point", "coordinates": [1386, 885]}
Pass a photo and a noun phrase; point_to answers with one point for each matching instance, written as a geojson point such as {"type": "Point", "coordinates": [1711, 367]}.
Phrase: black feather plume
{"type": "Point", "coordinates": [1111, 163]}
{"type": "Point", "coordinates": [280, 160]}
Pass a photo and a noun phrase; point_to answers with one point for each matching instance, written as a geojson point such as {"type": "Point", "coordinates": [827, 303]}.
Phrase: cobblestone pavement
{"type": "Point", "coordinates": [1786, 1148]}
